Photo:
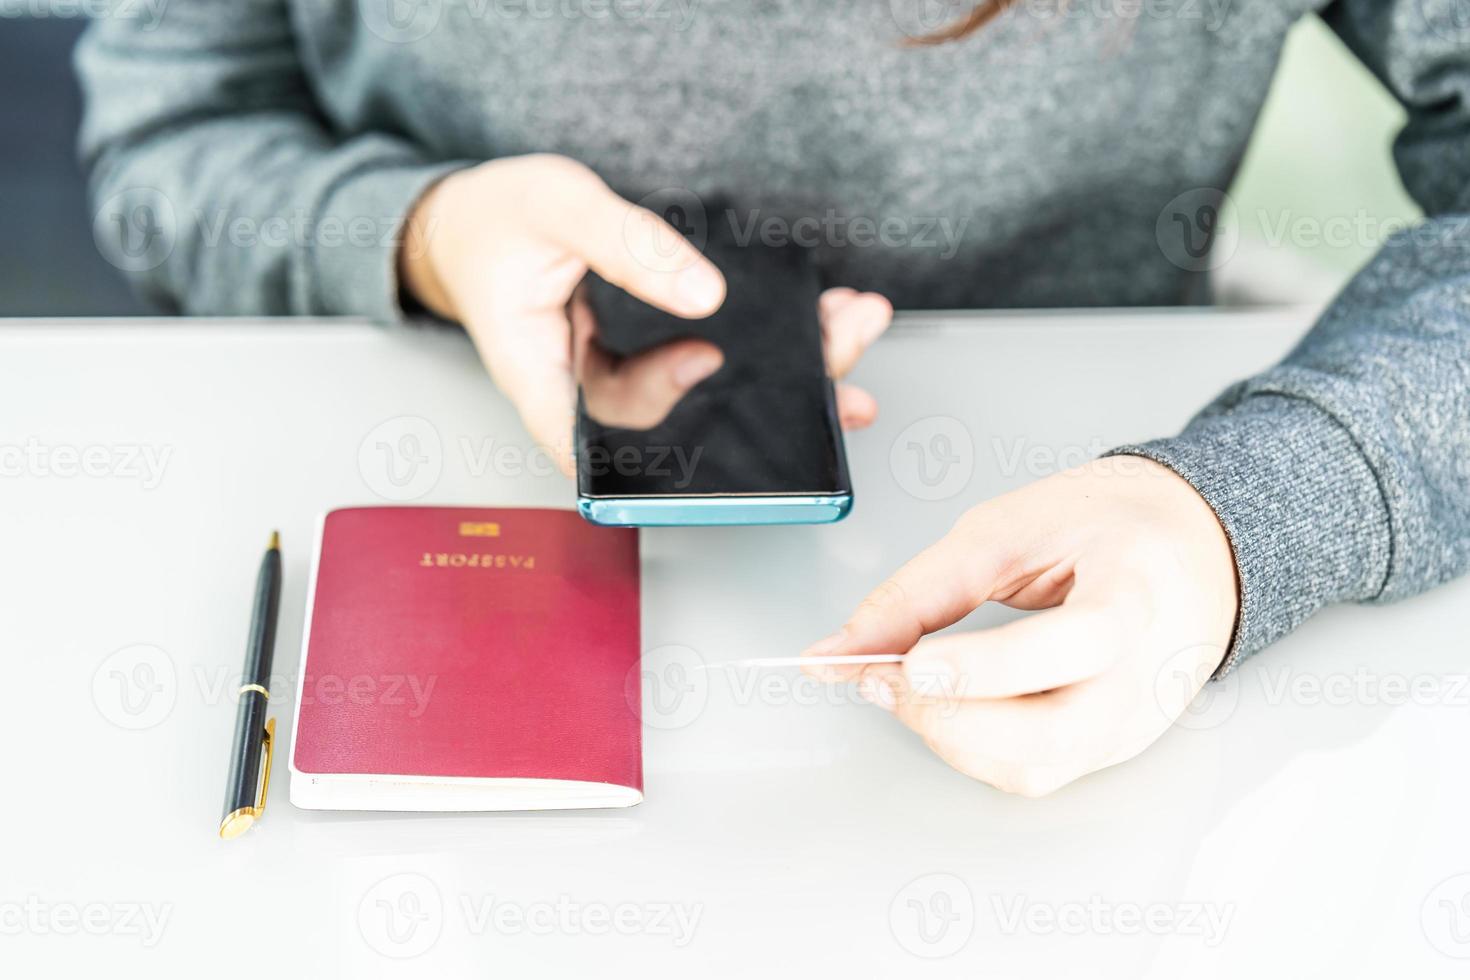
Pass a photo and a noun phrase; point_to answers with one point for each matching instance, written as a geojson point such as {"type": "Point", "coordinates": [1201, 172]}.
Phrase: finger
{"type": "Point", "coordinates": [529, 359]}
{"type": "Point", "coordinates": [831, 299]}
{"type": "Point", "coordinates": [856, 409]}
{"type": "Point", "coordinates": [636, 392]}
{"type": "Point", "coordinates": [632, 248]}
{"type": "Point", "coordinates": [883, 685]}
{"type": "Point", "coordinates": [851, 321]}
{"type": "Point", "coordinates": [639, 392]}
{"type": "Point", "coordinates": [1030, 746]}
{"type": "Point", "coordinates": [1074, 642]}
{"type": "Point", "coordinates": [937, 588]}
{"type": "Point", "coordinates": [546, 410]}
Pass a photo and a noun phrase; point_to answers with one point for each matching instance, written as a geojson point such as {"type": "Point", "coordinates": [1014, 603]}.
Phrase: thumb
{"type": "Point", "coordinates": [937, 588]}
{"type": "Point", "coordinates": [636, 392]}
{"type": "Point", "coordinates": [636, 250]}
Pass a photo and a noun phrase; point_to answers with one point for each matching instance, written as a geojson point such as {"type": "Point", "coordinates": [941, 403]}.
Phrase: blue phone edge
{"type": "Point", "coordinates": [713, 511]}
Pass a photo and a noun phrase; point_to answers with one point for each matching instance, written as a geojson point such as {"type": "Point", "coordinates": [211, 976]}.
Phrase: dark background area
{"type": "Point", "coordinates": [49, 264]}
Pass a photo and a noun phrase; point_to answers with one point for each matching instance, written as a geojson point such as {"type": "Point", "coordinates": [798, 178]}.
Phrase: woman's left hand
{"type": "Point", "coordinates": [1138, 585]}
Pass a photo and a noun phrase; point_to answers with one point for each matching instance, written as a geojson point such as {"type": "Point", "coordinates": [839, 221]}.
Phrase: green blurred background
{"type": "Point", "coordinates": [1322, 154]}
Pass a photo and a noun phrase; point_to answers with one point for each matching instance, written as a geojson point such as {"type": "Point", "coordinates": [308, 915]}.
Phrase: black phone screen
{"type": "Point", "coordinates": [764, 424]}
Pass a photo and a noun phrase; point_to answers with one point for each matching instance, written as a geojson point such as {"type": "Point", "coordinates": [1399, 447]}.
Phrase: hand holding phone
{"type": "Point", "coordinates": [501, 248]}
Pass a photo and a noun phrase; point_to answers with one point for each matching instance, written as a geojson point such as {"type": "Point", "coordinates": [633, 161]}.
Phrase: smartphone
{"type": "Point", "coordinates": [757, 442]}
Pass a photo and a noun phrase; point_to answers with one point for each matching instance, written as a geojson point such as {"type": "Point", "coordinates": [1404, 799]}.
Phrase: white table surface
{"type": "Point", "coordinates": [1309, 820]}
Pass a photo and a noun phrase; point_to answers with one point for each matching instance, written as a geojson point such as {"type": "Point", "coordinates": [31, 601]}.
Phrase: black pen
{"type": "Point", "coordinates": [254, 735]}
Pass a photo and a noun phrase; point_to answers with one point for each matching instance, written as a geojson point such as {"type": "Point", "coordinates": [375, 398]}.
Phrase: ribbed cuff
{"type": "Point", "coordinates": [1302, 508]}
{"type": "Point", "coordinates": [359, 229]}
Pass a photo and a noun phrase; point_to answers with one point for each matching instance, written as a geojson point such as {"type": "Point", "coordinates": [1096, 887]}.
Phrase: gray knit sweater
{"type": "Point", "coordinates": [256, 157]}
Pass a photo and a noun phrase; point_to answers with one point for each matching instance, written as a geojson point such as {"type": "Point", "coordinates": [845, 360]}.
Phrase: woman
{"type": "Point", "coordinates": [1064, 141]}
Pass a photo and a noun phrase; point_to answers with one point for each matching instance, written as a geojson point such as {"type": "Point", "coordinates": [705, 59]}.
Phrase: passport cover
{"type": "Point", "coordinates": [469, 658]}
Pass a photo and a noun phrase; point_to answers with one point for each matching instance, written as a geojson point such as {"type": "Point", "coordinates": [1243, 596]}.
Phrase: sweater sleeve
{"type": "Point", "coordinates": [218, 185]}
{"type": "Point", "coordinates": [1343, 473]}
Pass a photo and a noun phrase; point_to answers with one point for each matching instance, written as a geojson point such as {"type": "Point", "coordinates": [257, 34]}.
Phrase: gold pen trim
{"type": "Point", "coordinates": [255, 687]}
{"type": "Point", "coordinates": [237, 822]}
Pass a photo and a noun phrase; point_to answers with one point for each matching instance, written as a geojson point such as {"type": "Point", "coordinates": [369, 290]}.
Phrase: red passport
{"type": "Point", "coordinates": [469, 659]}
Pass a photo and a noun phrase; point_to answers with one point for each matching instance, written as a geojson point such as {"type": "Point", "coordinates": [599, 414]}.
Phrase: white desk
{"type": "Point", "coordinates": [804, 830]}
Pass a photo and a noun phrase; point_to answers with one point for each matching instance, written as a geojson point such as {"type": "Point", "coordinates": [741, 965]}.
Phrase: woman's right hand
{"type": "Point", "coordinates": [501, 248]}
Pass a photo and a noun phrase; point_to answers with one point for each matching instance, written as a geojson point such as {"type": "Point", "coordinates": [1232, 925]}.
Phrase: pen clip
{"type": "Point", "coordinates": [244, 818]}
{"type": "Point", "coordinates": [269, 742]}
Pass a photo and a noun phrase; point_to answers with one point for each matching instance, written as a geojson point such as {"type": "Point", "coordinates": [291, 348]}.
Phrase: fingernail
{"type": "Point", "coordinates": [826, 645]}
{"type": "Point", "coordinates": [700, 287]}
{"type": "Point", "coordinates": [931, 677]}
{"type": "Point", "coordinates": [696, 367]}
{"type": "Point", "coordinates": [877, 692]}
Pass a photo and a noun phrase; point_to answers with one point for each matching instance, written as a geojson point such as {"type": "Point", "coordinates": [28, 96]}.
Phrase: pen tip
{"type": "Point", "coordinates": [275, 541]}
